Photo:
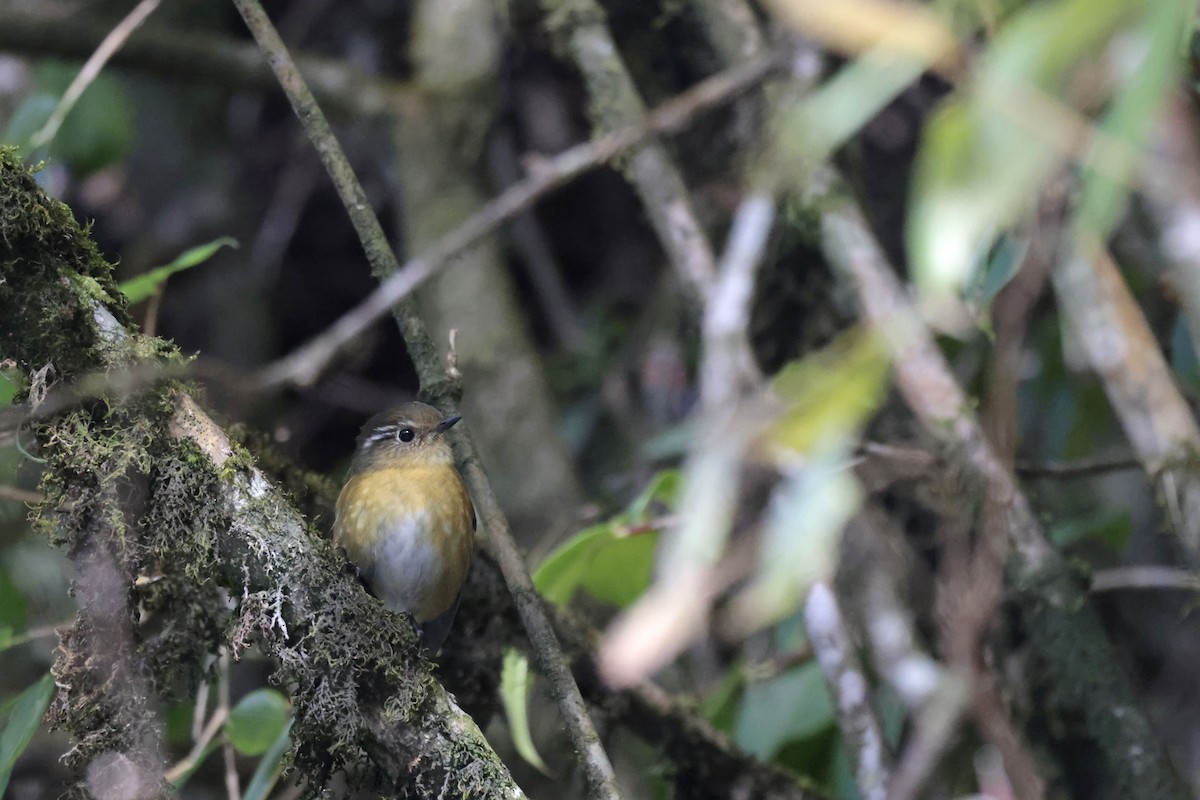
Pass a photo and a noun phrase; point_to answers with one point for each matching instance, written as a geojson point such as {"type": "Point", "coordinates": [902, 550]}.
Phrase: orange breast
{"type": "Point", "coordinates": [409, 531]}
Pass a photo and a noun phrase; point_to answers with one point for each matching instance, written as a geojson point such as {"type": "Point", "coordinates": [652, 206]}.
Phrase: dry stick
{"type": "Point", "coordinates": [1145, 576]}
{"type": "Point", "coordinates": [1104, 318]}
{"type": "Point", "coordinates": [596, 765]}
{"type": "Point", "coordinates": [1083, 468]}
{"type": "Point", "coordinates": [672, 613]}
{"type": "Point", "coordinates": [91, 68]}
{"type": "Point", "coordinates": [851, 692]}
{"type": "Point", "coordinates": [303, 366]}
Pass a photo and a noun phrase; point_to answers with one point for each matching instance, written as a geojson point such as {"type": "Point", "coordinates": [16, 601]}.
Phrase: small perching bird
{"type": "Point", "coordinates": [404, 518]}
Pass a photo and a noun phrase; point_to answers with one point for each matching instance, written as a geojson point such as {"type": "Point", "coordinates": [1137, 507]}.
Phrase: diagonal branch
{"type": "Point", "coordinates": [305, 365]}
{"type": "Point", "coordinates": [1053, 608]}
{"type": "Point", "coordinates": [435, 384]}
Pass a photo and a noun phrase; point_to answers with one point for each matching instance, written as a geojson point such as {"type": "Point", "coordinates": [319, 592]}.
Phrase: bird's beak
{"type": "Point", "coordinates": [447, 423]}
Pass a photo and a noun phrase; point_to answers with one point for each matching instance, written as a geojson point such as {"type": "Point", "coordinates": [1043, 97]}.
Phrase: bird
{"type": "Point", "coordinates": [405, 520]}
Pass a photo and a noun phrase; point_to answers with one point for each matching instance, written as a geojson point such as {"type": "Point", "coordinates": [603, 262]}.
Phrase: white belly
{"type": "Point", "coordinates": [406, 565]}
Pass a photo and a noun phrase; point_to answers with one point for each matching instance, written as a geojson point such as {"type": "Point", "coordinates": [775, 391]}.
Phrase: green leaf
{"type": "Point", "coordinates": [812, 130]}
{"type": "Point", "coordinates": [1110, 526]}
{"type": "Point", "coordinates": [621, 570]}
{"type": "Point", "coordinates": [985, 154]}
{"type": "Point", "coordinates": [256, 722]}
{"type": "Point", "coordinates": [829, 394]}
{"type": "Point", "coordinates": [994, 273]}
{"type": "Point", "coordinates": [1183, 356]}
{"type": "Point", "coordinates": [612, 565]}
{"type": "Point", "coordinates": [792, 705]}
{"type": "Point", "coordinates": [515, 685]}
{"type": "Point", "coordinates": [721, 707]}
{"type": "Point", "coordinates": [663, 488]}
{"type": "Point", "coordinates": [99, 130]}
{"type": "Point", "coordinates": [146, 284]}
{"type": "Point", "coordinates": [562, 571]}
{"type": "Point", "coordinates": [24, 717]}
{"type": "Point", "coordinates": [28, 117]}
{"type": "Point", "coordinates": [1136, 107]}
{"type": "Point", "coordinates": [269, 767]}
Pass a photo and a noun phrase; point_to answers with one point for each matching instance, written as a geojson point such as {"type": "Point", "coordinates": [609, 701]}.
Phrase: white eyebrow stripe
{"type": "Point", "coordinates": [386, 432]}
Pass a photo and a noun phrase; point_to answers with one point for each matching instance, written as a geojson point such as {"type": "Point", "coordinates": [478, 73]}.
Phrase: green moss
{"type": "Point", "coordinates": [1082, 700]}
{"type": "Point", "coordinates": [47, 260]}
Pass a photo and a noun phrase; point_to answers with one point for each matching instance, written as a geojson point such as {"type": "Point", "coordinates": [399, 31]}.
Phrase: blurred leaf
{"type": "Point", "coordinates": [13, 603]}
{"type": "Point", "coordinates": [24, 716]}
{"type": "Point", "coordinates": [792, 705]}
{"type": "Point", "coordinates": [985, 154]}
{"type": "Point", "coordinates": [811, 130]}
{"type": "Point", "coordinates": [8, 386]}
{"type": "Point", "coordinates": [994, 273]}
{"type": "Point", "coordinates": [670, 443]}
{"type": "Point", "coordinates": [146, 284]}
{"type": "Point", "coordinates": [269, 766]}
{"type": "Point", "coordinates": [663, 488]}
{"type": "Point", "coordinates": [257, 721]}
{"type": "Point", "coordinates": [515, 686]}
{"type": "Point", "coordinates": [1106, 525]}
{"type": "Point", "coordinates": [1131, 118]}
{"type": "Point", "coordinates": [851, 26]}
{"type": "Point", "coordinates": [721, 707]}
{"type": "Point", "coordinates": [1183, 357]}
{"type": "Point", "coordinates": [830, 394]}
{"type": "Point", "coordinates": [804, 522]}
{"type": "Point", "coordinates": [99, 130]}
{"type": "Point", "coordinates": [28, 117]}
{"type": "Point", "coordinates": [815, 757]}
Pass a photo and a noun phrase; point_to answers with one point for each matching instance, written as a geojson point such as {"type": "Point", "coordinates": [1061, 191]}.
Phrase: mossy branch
{"type": "Point", "coordinates": [166, 518]}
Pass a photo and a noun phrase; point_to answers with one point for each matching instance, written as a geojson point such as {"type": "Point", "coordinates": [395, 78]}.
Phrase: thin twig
{"type": "Point", "coordinates": [20, 495]}
{"type": "Point", "coordinates": [1083, 468]}
{"type": "Point", "coordinates": [193, 56]}
{"type": "Point", "coordinates": [595, 762]}
{"type": "Point", "coordinates": [233, 788]}
{"type": "Point", "coordinates": [1145, 576]}
{"type": "Point", "coordinates": [303, 366]}
{"type": "Point", "coordinates": [670, 616]}
{"type": "Point", "coordinates": [91, 68]}
{"type": "Point", "coordinates": [847, 681]}
{"type": "Point", "coordinates": [188, 762]}
{"type": "Point", "coordinates": [1103, 315]}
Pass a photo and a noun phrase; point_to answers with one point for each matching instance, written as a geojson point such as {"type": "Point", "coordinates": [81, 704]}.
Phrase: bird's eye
{"type": "Point", "coordinates": [405, 435]}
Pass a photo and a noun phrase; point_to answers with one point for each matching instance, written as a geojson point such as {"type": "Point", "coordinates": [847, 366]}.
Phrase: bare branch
{"type": "Point", "coordinates": [1104, 318]}
{"type": "Point", "coordinates": [851, 692]}
{"type": "Point", "coordinates": [305, 365]}
{"type": "Point", "coordinates": [192, 56]}
{"type": "Point", "coordinates": [579, 27]}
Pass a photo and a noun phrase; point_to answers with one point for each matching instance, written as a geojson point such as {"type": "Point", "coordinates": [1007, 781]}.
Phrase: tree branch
{"type": "Point", "coordinates": [1067, 642]}
{"type": "Point", "coordinates": [192, 56]}
{"type": "Point", "coordinates": [151, 484]}
{"type": "Point", "coordinates": [435, 384]}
